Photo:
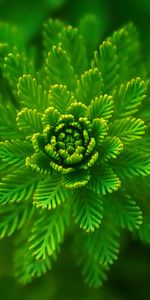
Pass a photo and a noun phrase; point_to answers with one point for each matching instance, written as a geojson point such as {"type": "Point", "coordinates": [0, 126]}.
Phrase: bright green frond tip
{"type": "Point", "coordinates": [74, 142]}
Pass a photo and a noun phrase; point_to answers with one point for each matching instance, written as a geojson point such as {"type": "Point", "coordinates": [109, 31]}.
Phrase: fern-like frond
{"type": "Point", "coordinates": [89, 86]}
{"type": "Point", "coordinates": [101, 107]}
{"type": "Point", "coordinates": [39, 163]}
{"type": "Point", "coordinates": [77, 109]}
{"type": "Point", "coordinates": [13, 218]}
{"type": "Point", "coordinates": [50, 34]}
{"type": "Point", "coordinates": [27, 267]}
{"type": "Point", "coordinates": [104, 180]}
{"type": "Point", "coordinates": [127, 212]}
{"type": "Point", "coordinates": [128, 129]}
{"type": "Point", "coordinates": [87, 210]}
{"type": "Point", "coordinates": [50, 117]}
{"type": "Point", "coordinates": [48, 232]}
{"type": "Point", "coordinates": [14, 152]}
{"type": "Point", "coordinates": [60, 97]}
{"type": "Point", "coordinates": [73, 44]}
{"type": "Point", "coordinates": [50, 193]}
{"type": "Point", "coordinates": [128, 98]}
{"type": "Point", "coordinates": [107, 62]}
{"type": "Point", "coordinates": [8, 125]}
{"type": "Point", "coordinates": [110, 148]}
{"type": "Point", "coordinates": [144, 146]}
{"type": "Point", "coordinates": [128, 50]}
{"type": "Point", "coordinates": [15, 66]}
{"type": "Point", "coordinates": [93, 272]}
{"type": "Point", "coordinates": [29, 121]}
{"type": "Point", "coordinates": [130, 164]}
{"type": "Point", "coordinates": [103, 246]}
{"type": "Point", "coordinates": [31, 94]}
{"type": "Point", "coordinates": [56, 75]}
{"type": "Point", "coordinates": [77, 179]}
{"type": "Point", "coordinates": [99, 130]}
{"type": "Point", "coordinates": [17, 187]}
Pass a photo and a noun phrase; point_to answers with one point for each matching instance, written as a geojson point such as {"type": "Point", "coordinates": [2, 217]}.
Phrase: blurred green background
{"type": "Point", "coordinates": [129, 277]}
{"type": "Point", "coordinates": [30, 15]}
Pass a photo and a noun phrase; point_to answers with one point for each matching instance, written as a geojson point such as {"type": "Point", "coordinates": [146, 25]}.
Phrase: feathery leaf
{"type": "Point", "coordinates": [110, 148]}
{"type": "Point", "coordinates": [89, 86]}
{"type": "Point", "coordinates": [8, 125]}
{"type": "Point", "coordinates": [128, 50]}
{"type": "Point", "coordinates": [128, 129]}
{"type": "Point", "coordinates": [104, 180]}
{"type": "Point", "coordinates": [101, 107]}
{"type": "Point", "coordinates": [56, 74]}
{"type": "Point", "coordinates": [27, 267]}
{"type": "Point", "coordinates": [127, 212]}
{"type": "Point", "coordinates": [29, 121]}
{"type": "Point", "coordinates": [73, 44]}
{"type": "Point", "coordinates": [130, 164]}
{"type": "Point", "coordinates": [128, 98]}
{"type": "Point", "coordinates": [50, 193]}
{"type": "Point", "coordinates": [60, 97]}
{"type": "Point", "coordinates": [48, 232]}
{"type": "Point", "coordinates": [93, 272]}
{"type": "Point", "coordinates": [17, 187]}
{"type": "Point", "coordinates": [13, 218]}
{"type": "Point", "coordinates": [99, 130]}
{"type": "Point", "coordinates": [15, 66]}
{"type": "Point", "coordinates": [77, 179]}
{"type": "Point", "coordinates": [103, 246]}
{"type": "Point", "coordinates": [50, 34]}
{"type": "Point", "coordinates": [107, 62]}
{"type": "Point", "coordinates": [87, 210]}
{"type": "Point", "coordinates": [31, 94]}
{"type": "Point", "coordinates": [14, 152]}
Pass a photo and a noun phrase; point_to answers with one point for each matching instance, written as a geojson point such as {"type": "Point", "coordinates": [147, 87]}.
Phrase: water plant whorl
{"type": "Point", "coordinates": [68, 143]}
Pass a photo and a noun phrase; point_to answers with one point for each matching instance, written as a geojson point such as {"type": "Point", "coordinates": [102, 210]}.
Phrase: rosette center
{"type": "Point", "coordinates": [69, 144]}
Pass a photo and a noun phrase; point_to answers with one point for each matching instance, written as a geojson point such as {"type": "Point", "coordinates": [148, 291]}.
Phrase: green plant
{"type": "Point", "coordinates": [74, 142]}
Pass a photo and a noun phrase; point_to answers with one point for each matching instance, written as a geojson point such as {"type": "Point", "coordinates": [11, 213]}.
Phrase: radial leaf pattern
{"type": "Point", "coordinates": [73, 140]}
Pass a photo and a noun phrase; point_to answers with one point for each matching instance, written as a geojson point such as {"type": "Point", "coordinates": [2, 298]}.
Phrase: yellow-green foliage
{"type": "Point", "coordinates": [74, 145]}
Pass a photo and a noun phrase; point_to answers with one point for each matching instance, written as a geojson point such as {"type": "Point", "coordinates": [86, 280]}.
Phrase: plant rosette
{"type": "Point", "coordinates": [74, 140]}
